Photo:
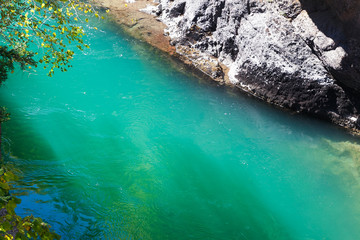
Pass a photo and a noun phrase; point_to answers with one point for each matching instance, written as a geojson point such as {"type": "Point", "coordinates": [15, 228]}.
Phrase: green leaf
{"type": "Point", "coordinates": [6, 226]}
{"type": "Point", "coordinates": [4, 186]}
{"type": "Point", "coordinates": [9, 176]}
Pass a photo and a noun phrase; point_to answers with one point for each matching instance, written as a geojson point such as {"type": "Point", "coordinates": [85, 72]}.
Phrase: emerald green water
{"type": "Point", "coordinates": [126, 146]}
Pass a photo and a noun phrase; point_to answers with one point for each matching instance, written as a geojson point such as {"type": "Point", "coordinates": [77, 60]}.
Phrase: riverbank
{"type": "Point", "coordinates": [271, 61]}
{"type": "Point", "coordinates": [137, 19]}
{"type": "Point", "coordinates": [137, 23]}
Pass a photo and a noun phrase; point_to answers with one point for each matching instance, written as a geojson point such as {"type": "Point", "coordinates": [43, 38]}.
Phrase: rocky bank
{"type": "Point", "coordinates": [300, 55]}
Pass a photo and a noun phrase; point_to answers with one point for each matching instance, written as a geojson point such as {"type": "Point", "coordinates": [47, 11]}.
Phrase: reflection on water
{"type": "Point", "coordinates": [124, 146]}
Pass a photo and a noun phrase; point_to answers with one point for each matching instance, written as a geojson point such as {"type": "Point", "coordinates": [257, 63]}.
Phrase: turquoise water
{"type": "Point", "coordinates": [128, 145]}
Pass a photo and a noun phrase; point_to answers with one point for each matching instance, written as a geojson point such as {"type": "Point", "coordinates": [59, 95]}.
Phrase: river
{"type": "Point", "coordinates": [128, 144]}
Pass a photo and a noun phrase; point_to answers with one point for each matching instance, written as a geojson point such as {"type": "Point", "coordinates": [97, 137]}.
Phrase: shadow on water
{"type": "Point", "coordinates": [36, 164]}
{"type": "Point", "coordinates": [36, 147]}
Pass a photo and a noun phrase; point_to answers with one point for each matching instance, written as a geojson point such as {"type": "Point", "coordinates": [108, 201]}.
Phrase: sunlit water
{"type": "Point", "coordinates": [126, 146]}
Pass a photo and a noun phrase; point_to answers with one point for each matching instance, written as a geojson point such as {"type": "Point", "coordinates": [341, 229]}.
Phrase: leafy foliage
{"type": "Point", "coordinates": [13, 226]}
{"type": "Point", "coordinates": [9, 56]}
{"type": "Point", "coordinates": [42, 26]}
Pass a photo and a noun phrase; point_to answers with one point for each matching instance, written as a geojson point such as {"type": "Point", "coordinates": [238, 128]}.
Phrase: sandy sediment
{"type": "Point", "coordinates": [138, 24]}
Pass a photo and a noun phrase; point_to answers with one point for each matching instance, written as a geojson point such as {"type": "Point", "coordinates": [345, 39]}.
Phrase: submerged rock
{"type": "Point", "coordinates": [295, 54]}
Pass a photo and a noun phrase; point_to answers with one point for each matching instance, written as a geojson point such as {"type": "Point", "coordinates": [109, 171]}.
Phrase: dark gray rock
{"type": "Point", "coordinates": [348, 12]}
{"type": "Point", "coordinates": [178, 9]}
{"type": "Point", "coordinates": [291, 53]}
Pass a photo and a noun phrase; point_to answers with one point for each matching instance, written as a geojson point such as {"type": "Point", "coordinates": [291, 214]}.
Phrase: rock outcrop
{"type": "Point", "coordinates": [299, 55]}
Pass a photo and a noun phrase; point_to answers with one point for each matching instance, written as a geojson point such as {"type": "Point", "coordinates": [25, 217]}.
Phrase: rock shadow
{"type": "Point", "coordinates": [327, 16]}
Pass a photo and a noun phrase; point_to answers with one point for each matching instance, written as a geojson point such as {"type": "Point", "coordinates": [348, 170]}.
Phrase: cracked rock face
{"type": "Point", "coordinates": [291, 53]}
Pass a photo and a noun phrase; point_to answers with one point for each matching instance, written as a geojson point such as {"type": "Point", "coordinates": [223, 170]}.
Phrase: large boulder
{"type": "Point", "coordinates": [291, 53]}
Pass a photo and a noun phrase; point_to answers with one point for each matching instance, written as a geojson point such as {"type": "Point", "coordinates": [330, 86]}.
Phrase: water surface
{"type": "Point", "coordinates": [126, 145]}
